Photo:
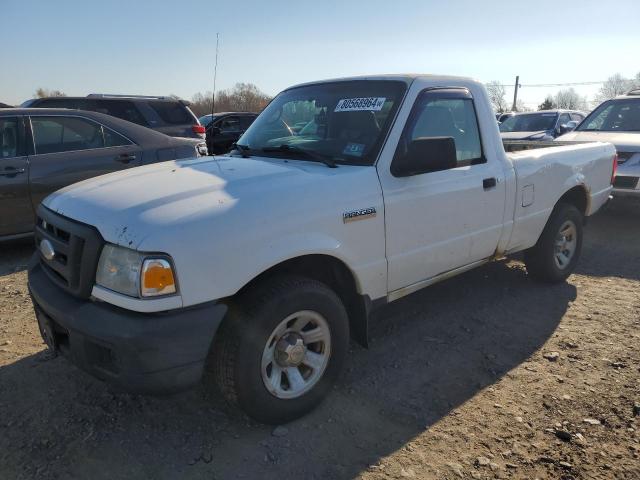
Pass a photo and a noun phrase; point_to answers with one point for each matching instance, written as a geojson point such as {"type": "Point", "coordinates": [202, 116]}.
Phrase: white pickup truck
{"type": "Point", "coordinates": [343, 195]}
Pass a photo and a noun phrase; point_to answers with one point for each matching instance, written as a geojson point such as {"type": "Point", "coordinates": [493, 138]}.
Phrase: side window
{"type": "Point", "coordinates": [65, 134]}
{"type": "Point", "coordinates": [564, 119]}
{"type": "Point", "coordinates": [246, 121]}
{"type": "Point", "coordinates": [441, 114]}
{"type": "Point", "coordinates": [577, 117]}
{"type": "Point", "coordinates": [230, 125]}
{"type": "Point", "coordinates": [114, 139]}
{"type": "Point", "coordinates": [9, 138]}
{"type": "Point", "coordinates": [172, 112]}
{"type": "Point", "coordinates": [58, 102]}
{"type": "Point", "coordinates": [123, 109]}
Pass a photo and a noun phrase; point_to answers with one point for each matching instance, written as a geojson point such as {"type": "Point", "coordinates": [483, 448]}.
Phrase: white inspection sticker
{"type": "Point", "coordinates": [358, 104]}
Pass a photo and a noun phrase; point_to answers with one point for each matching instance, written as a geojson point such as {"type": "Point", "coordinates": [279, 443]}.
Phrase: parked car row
{"type": "Point", "coordinates": [617, 121]}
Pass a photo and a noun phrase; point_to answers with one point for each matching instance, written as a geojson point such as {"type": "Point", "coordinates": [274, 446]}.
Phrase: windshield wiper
{"type": "Point", "coordinates": [243, 149]}
{"type": "Point", "coordinates": [284, 148]}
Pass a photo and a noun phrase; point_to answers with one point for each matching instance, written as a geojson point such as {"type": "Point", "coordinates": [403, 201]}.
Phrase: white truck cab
{"type": "Point", "coordinates": [341, 196]}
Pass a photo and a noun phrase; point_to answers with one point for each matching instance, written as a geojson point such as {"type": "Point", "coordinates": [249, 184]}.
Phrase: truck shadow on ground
{"type": "Point", "coordinates": [14, 255]}
{"type": "Point", "coordinates": [430, 352]}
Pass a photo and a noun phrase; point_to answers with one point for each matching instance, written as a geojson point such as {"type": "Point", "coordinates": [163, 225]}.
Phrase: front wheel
{"type": "Point", "coordinates": [281, 348]}
{"type": "Point", "coordinates": [557, 251]}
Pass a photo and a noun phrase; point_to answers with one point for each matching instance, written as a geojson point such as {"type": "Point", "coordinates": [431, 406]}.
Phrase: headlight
{"type": "Point", "coordinates": [135, 274]}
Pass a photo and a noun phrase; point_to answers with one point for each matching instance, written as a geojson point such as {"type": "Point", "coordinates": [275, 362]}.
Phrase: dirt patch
{"type": "Point", "coordinates": [487, 375]}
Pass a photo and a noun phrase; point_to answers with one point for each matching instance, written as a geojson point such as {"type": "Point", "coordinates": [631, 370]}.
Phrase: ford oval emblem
{"type": "Point", "coordinates": [46, 249]}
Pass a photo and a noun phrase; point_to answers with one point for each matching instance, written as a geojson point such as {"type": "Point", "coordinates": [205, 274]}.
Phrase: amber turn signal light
{"type": "Point", "coordinates": [157, 278]}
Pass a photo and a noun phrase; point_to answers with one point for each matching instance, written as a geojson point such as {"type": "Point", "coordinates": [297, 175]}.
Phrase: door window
{"type": "Point", "coordinates": [123, 109]}
{"type": "Point", "coordinates": [230, 125]}
{"type": "Point", "coordinates": [113, 139]}
{"type": "Point", "coordinates": [246, 121]}
{"type": "Point", "coordinates": [564, 119]}
{"type": "Point", "coordinates": [440, 114]}
{"type": "Point", "coordinates": [9, 138]}
{"type": "Point", "coordinates": [65, 134]}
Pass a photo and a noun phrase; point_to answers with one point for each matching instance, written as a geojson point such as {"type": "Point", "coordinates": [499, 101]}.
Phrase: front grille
{"type": "Point", "coordinates": [625, 182]}
{"type": "Point", "coordinates": [76, 249]}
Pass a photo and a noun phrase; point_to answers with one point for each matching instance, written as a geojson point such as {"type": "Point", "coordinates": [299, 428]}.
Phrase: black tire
{"type": "Point", "coordinates": [540, 259]}
{"type": "Point", "coordinates": [240, 342]}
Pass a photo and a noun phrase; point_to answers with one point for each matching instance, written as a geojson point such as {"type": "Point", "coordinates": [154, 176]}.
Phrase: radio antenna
{"type": "Point", "coordinates": [215, 74]}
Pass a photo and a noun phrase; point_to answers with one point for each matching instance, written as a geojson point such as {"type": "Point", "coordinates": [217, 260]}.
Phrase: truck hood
{"type": "Point", "coordinates": [625, 142]}
{"type": "Point", "coordinates": [520, 135]}
{"type": "Point", "coordinates": [163, 198]}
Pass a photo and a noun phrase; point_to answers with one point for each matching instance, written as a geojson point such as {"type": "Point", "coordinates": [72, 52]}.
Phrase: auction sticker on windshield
{"type": "Point", "coordinates": [359, 104]}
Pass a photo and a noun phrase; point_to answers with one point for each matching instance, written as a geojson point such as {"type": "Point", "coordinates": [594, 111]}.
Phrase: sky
{"type": "Point", "coordinates": [162, 47]}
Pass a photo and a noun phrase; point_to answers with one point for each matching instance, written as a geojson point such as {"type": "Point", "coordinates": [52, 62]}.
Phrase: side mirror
{"type": "Point", "coordinates": [571, 126]}
{"type": "Point", "coordinates": [214, 131]}
{"type": "Point", "coordinates": [426, 154]}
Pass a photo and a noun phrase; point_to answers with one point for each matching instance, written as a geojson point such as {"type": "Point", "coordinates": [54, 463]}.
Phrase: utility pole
{"type": "Point", "coordinates": [515, 94]}
{"type": "Point", "coordinates": [215, 74]}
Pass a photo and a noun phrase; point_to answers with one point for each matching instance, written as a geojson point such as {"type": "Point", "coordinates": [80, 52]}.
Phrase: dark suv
{"type": "Point", "coordinates": [225, 128]}
{"type": "Point", "coordinates": [164, 114]}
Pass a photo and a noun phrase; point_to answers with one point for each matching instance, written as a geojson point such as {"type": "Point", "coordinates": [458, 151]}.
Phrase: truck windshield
{"type": "Point", "coordinates": [614, 116]}
{"type": "Point", "coordinates": [529, 122]}
{"type": "Point", "coordinates": [342, 122]}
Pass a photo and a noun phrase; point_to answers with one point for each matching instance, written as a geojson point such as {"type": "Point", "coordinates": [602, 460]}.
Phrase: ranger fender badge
{"type": "Point", "coordinates": [361, 214]}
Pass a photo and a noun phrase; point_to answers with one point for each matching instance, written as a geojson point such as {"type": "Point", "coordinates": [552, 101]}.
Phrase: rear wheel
{"type": "Point", "coordinates": [557, 251]}
{"type": "Point", "coordinates": [281, 348]}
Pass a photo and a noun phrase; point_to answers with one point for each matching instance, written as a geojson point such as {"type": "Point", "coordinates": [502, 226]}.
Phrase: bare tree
{"type": "Point", "coordinates": [497, 96]}
{"type": "Point", "coordinates": [243, 97]}
{"type": "Point", "coordinates": [570, 99]}
{"type": "Point", "coordinates": [614, 86]}
{"type": "Point", "coordinates": [43, 92]}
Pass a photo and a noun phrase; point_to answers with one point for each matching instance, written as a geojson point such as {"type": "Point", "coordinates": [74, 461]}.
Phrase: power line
{"type": "Point", "coordinates": [570, 84]}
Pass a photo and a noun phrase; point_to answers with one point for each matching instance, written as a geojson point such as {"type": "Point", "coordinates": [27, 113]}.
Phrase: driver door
{"type": "Point", "coordinates": [16, 213]}
{"type": "Point", "coordinates": [442, 220]}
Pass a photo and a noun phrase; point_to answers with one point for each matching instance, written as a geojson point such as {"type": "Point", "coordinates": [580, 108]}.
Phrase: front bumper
{"type": "Point", "coordinates": [138, 352]}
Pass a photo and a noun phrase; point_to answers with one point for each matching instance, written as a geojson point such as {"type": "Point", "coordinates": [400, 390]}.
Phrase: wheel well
{"type": "Point", "coordinates": [577, 197]}
{"type": "Point", "coordinates": [337, 276]}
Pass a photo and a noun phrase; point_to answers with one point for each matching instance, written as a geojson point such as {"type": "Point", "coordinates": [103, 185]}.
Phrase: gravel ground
{"type": "Point", "coordinates": [487, 375]}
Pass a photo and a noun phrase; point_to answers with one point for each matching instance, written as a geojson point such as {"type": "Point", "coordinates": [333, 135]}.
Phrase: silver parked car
{"type": "Point", "coordinates": [617, 121]}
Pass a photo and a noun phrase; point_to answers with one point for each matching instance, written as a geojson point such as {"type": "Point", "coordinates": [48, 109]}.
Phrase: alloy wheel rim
{"type": "Point", "coordinates": [296, 354]}
{"type": "Point", "coordinates": [565, 244]}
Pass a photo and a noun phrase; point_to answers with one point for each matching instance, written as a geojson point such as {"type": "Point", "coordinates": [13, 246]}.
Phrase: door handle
{"type": "Point", "coordinates": [488, 183]}
{"type": "Point", "coordinates": [125, 157]}
{"type": "Point", "coordinates": [11, 172]}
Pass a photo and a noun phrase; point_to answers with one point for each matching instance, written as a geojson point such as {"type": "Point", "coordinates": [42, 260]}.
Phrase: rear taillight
{"type": "Point", "coordinates": [614, 169]}
{"type": "Point", "coordinates": [199, 129]}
